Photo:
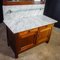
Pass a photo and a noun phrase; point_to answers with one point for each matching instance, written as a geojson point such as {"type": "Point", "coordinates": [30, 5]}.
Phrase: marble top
{"type": "Point", "coordinates": [26, 23]}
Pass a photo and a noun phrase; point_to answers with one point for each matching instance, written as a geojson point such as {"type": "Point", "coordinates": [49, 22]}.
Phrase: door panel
{"type": "Point", "coordinates": [25, 43]}
{"type": "Point", "coordinates": [43, 35]}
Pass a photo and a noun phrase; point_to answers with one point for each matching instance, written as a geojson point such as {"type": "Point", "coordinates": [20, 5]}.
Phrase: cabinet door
{"type": "Point", "coordinates": [25, 43]}
{"type": "Point", "coordinates": [43, 35]}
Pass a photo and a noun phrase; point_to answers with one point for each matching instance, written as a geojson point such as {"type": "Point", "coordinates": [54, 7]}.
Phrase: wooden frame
{"type": "Point", "coordinates": [21, 3]}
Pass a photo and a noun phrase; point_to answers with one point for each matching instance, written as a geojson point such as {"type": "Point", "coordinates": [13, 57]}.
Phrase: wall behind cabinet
{"type": "Point", "coordinates": [52, 9]}
{"type": "Point", "coordinates": [1, 12]}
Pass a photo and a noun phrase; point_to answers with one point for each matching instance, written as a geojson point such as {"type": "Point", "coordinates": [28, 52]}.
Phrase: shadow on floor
{"type": "Point", "coordinates": [4, 49]}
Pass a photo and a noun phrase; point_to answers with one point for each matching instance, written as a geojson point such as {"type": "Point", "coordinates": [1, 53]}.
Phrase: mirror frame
{"type": "Point", "coordinates": [21, 3]}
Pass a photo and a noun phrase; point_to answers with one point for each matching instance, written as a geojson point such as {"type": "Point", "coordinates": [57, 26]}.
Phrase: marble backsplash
{"type": "Point", "coordinates": [21, 11]}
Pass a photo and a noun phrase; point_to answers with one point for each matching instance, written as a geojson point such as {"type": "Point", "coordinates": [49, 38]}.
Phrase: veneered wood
{"type": "Point", "coordinates": [25, 41]}
{"type": "Point", "coordinates": [46, 26]}
{"type": "Point", "coordinates": [26, 33]}
{"type": "Point", "coordinates": [23, 33]}
{"type": "Point", "coordinates": [22, 49]}
{"type": "Point", "coordinates": [34, 30]}
{"type": "Point", "coordinates": [39, 41]}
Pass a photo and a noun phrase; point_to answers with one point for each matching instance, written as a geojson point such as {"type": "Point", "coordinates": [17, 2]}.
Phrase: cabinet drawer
{"type": "Point", "coordinates": [27, 33]}
{"type": "Point", "coordinates": [44, 27]}
{"type": "Point", "coordinates": [34, 30]}
{"type": "Point", "coordinates": [23, 33]}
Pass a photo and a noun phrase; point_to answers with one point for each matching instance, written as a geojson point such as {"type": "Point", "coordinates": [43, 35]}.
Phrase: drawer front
{"type": "Point", "coordinates": [34, 30]}
{"type": "Point", "coordinates": [45, 27]}
{"type": "Point", "coordinates": [27, 33]}
{"type": "Point", "coordinates": [23, 33]}
{"type": "Point", "coordinates": [25, 36]}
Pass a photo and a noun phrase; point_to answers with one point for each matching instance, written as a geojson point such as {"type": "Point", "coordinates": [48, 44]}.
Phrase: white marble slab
{"type": "Point", "coordinates": [20, 11]}
{"type": "Point", "coordinates": [23, 14]}
{"type": "Point", "coordinates": [26, 23]}
{"type": "Point", "coordinates": [16, 8]}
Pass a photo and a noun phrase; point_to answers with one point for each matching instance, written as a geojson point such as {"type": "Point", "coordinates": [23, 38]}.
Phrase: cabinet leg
{"type": "Point", "coordinates": [49, 36]}
{"type": "Point", "coordinates": [7, 36]}
{"type": "Point", "coordinates": [47, 41]}
{"type": "Point", "coordinates": [16, 55]}
{"type": "Point", "coordinates": [8, 44]}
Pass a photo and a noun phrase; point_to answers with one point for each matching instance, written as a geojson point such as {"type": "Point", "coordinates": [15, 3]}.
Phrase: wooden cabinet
{"type": "Point", "coordinates": [24, 40]}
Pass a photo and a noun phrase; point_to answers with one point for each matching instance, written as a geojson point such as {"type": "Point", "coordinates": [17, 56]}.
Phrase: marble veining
{"type": "Point", "coordinates": [16, 8]}
{"type": "Point", "coordinates": [27, 23]}
{"type": "Point", "coordinates": [21, 11]}
{"type": "Point", "coordinates": [22, 14]}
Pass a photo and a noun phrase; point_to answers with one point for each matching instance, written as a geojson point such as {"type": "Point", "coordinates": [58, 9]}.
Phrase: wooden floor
{"type": "Point", "coordinates": [50, 51]}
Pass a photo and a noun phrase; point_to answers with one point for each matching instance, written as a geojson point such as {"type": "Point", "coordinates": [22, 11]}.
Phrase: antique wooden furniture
{"type": "Point", "coordinates": [24, 40]}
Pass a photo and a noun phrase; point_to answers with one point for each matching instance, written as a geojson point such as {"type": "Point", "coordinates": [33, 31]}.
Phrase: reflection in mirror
{"type": "Point", "coordinates": [36, 0]}
{"type": "Point", "coordinates": [41, 1]}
